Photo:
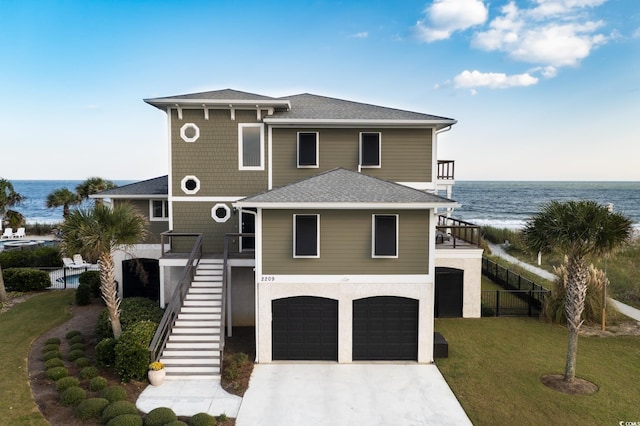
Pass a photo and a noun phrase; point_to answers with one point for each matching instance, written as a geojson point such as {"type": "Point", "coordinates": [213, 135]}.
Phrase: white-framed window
{"type": "Point", "coordinates": [189, 132]}
{"type": "Point", "coordinates": [384, 231]}
{"type": "Point", "coordinates": [306, 235]}
{"type": "Point", "coordinates": [158, 210]}
{"type": "Point", "coordinates": [308, 149]}
{"type": "Point", "coordinates": [250, 146]}
{"type": "Point", "coordinates": [220, 213]}
{"type": "Point", "coordinates": [370, 149]}
{"type": "Point", "coordinates": [190, 185]}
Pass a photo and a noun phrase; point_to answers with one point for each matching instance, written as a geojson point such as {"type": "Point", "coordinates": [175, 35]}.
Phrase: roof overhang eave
{"type": "Point", "coordinates": [305, 122]}
{"type": "Point", "coordinates": [131, 197]}
{"type": "Point", "coordinates": [346, 205]}
{"type": "Point", "coordinates": [164, 103]}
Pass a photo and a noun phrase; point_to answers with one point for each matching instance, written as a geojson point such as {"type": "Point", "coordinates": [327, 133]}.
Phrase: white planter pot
{"type": "Point", "coordinates": [156, 377]}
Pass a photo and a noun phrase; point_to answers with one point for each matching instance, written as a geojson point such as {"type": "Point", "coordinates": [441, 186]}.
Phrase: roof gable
{"type": "Point", "coordinates": [150, 188]}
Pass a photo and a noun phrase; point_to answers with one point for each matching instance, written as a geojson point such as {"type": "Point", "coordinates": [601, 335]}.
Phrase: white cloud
{"type": "Point", "coordinates": [636, 33]}
{"type": "Point", "coordinates": [444, 17]}
{"type": "Point", "coordinates": [362, 34]}
{"type": "Point", "coordinates": [472, 79]}
{"type": "Point", "coordinates": [556, 7]}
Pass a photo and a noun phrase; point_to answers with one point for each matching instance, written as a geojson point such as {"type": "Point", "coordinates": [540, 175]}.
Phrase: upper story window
{"type": "Point", "coordinates": [308, 149]}
{"type": "Point", "coordinates": [306, 235]}
{"type": "Point", "coordinates": [370, 148]}
{"type": "Point", "coordinates": [159, 210]}
{"type": "Point", "coordinates": [384, 235]}
{"type": "Point", "coordinates": [250, 146]}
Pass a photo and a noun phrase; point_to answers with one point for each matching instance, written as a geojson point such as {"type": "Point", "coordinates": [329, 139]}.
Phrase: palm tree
{"type": "Point", "coordinates": [3, 291]}
{"type": "Point", "coordinates": [96, 233]}
{"type": "Point", "coordinates": [92, 186]}
{"type": "Point", "coordinates": [8, 197]}
{"type": "Point", "coordinates": [577, 229]}
{"type": "Point", "coordinates": [62, 198]}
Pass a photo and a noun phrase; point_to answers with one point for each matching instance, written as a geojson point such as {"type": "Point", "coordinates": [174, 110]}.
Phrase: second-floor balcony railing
{"type": "Point", "coordinates": [446, 169]}
{"type": "Point", "coordinates": [456, 233]}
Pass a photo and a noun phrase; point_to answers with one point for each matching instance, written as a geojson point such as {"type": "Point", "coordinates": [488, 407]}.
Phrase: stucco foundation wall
{"type": "Point", "coordinates": [140, 251]}
{"type": "Point", "coordinates": [243, 306]}
{"type": "Point", "coordinates": [345, 293]}
{"type": "Point", "coordinates": [470, 261]}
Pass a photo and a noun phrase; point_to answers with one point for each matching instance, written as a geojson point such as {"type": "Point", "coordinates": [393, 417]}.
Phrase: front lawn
{"type": "Point", "coordinates": [495, 364]}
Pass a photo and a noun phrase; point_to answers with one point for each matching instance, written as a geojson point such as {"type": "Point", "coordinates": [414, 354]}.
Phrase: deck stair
{"type": "Point", "coordinates": [193, 348]}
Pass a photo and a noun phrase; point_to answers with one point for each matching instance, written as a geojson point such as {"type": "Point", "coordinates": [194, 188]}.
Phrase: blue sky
{"type": "Point", "coordinates": [541, 89]}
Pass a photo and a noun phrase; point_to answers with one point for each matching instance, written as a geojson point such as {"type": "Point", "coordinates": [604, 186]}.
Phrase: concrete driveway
{"type": "Point", "coordinates": [349, 394]}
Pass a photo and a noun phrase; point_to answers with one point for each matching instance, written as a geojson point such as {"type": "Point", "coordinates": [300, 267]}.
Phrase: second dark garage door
{"type": "Point", "coordinates": [304, 328]}
{"type": "Point", "coordinates": [385, 328]}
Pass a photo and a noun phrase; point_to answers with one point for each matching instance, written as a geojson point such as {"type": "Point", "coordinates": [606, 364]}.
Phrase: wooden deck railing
{"type": "Point", "coordinates": [456, 231]}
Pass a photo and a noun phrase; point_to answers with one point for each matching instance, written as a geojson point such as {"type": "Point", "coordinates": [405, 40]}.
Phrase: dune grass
{"type": "Point", "coordinates": [495, 364]}
{"type": "Point", "coordinates": [19, 327]}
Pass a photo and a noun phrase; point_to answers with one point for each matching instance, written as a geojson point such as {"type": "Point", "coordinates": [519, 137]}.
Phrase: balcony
{"type": "Point", "coordinates": [446, 169]}
{"type": "Point", "coordinates": [456, 234]}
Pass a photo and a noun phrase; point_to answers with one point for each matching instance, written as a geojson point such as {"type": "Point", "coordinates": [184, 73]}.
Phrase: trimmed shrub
{"type": "Point", "coordinates": [75, 354]}
{"type": "Point", "coordinates": [132, 351]}
{"type": "Point", "coordinates": [88, 373]}
{"type": "Point", "coordinates": [91, 279]}
{"type": "Point", "coordinates": [160, 416]}
{"type": "Point", "coordinates": [51, 355]}
{"type": "Point", "coordinates": [71, 334]}
{"type": "Point", "coordinates": [53, 362]}
{"type": "Point", "coordinates": [50, 347]}
{"type": "Point", "coordinates": [83, 362]}
{"type": "Point", "coordinates": [77, 339]}
{"type": "Point", "coordinates": [53, 341]}
{"type": "Point", "coordinates": [202, 419]}
{"type": "Point", "coordinates": [39, 257]}
{"type": "Point", "coordinates": [24, 280]}
{"type": "Point", "coordinates": [118, 408]}
{"type": "Point", "coordinates": [83, 294]}
{"type": "Point", "coordinates": [176, 423]}
{"type": "Point", "coordinates": [57, 373]}
{"type": "Point", "coordinates": [91, 408]}
{"type": "Point", "coordinates": [126, 420]}
{"type": "Point", "coordinates": [66, 382]}
{"type": "Point", "coordinates": [114, 393]}
{"type": "Point", "coordinates": [132, 310]}
{"type": "Point", "coordinates": [97, 384]}
{"type": "Point", "coordinates": [72, 396]}
{"type": "Point", "coordinates": [105, 352]}
{"type": "Point", "coordinates": [77, 346]}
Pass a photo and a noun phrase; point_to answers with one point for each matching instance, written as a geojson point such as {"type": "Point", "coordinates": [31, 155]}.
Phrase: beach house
{"type": "Point", "coordinates": [326, 224]}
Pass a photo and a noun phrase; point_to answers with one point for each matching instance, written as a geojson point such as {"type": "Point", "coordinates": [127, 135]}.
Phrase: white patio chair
{"type": "Point", "coordinates": [20, 233]}
{"type": "Point", "coordinates": [79, 261]}
{"type": "Point", "coordinates": [8, 233]}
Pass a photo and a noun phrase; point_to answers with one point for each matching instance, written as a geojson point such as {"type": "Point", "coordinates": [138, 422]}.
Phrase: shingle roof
{"type": "Point", "coordinates": [217, 94]}
{"type": "Point", "coordinates": [156, 187]}
{"type": "Point", "coordinates": [344, 186]}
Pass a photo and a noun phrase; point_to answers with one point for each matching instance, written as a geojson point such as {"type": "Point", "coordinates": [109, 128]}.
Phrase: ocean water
{"type": "Point", "coordinates": [500, 204]}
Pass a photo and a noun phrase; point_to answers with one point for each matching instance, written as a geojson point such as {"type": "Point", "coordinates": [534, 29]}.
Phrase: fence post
{"type": "Point", "coordinates": [530, 302]}
{"type": "Point", "coordinates": [65, 277]}
{"type": "Point", "coordinates": [497, 303]}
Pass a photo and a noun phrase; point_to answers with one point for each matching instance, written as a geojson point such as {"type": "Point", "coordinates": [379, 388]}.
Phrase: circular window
{"type": "Point", "coordinates": [221, 213]}
{"type": "Point", "coordinates": [189, 132]}
{"type": "Point", "coordinates": [190, 184]}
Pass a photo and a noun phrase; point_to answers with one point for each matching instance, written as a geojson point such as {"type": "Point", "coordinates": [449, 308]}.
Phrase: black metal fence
{"type": "Point", "coordinates": [520, 296]}
{"type": "Point", "coordinates": [63, 278]}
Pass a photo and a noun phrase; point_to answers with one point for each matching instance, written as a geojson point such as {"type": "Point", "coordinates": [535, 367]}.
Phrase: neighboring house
{"type": "Point", "coordinates": [325, 213]}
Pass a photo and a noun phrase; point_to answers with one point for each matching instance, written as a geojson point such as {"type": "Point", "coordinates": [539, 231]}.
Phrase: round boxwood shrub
{"type": "Point", "coordinates": [66, 382]}
{"type": "Point", "coordinates": [57, 373]}
{"type": "Point", "coordinates": [72, 396]}
{"type": "Point", "coordinates": [160, 416]}
{"type": "Point", "coordinates": [77, 347]}
{"type": "Point", "coordinates": [53, 362]}
{"type": "Point", "coordinates": [97, 384]}
{"type": "Point", "coordinates": [91, 279]}
{"type": "Point", "coordinates": [114, 393]}
{"type": "Point", "coordinates": [118, 408]}
{"type": "Point", "coordinates": [82, 362]}
{"type": "Point", "coordinates": [91, 408]}
{"type": "Point", "coordinates": [202, 419]}
{"type": "Point", "coordinates": [176, 423]}
{"type": "Point", "coordinates": [51, 355]}
{"type": "Point", "coordinates": [132, 351]}
{"type": "Point", "coordinates": [71, 334]}
{"type": "Point", "coordinates": [126, 420]}
{"type": "Point", "coordinates": [132, 310]}
{"type": "Point", "coordinates": [77, 339]}
{"type": "Point", "coordinates": [50, 347]}
{"type": "Point", "coordinates": [88, 373]}
{"type": "Point", "coordinates": [53, 341]}
{"type": "Point", "coordinates": [105, 352]}
{"type": "Point", "coordinates": [24, 280]}
{"type": "Point", "coordinates": [73, 355]}
{"type": "Point", "coordinates": [83, 294]}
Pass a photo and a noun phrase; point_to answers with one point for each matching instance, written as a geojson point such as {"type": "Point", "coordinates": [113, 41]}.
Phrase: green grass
{"type": "Point", "coordinates": [495, 364]}
{"type": "Point", "coordinates": [19, 327]}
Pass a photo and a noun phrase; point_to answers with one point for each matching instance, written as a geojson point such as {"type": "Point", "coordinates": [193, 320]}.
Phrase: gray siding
{"type": "Point", "coordinates": [195, 217]}
{"type": "Point", "coordinates": [153, 228]}
{"type": "Point", "coordinates": [345, 244]}
{"type": "Point", "coordinates": [406, 154]}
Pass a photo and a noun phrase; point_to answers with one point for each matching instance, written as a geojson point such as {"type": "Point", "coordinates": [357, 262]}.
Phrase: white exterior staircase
{"type": "Point", "coordinates": [193, 348]}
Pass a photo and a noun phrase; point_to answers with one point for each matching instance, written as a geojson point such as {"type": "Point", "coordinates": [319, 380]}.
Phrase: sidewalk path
{"type": "Point", "coordinates": [497, 250]}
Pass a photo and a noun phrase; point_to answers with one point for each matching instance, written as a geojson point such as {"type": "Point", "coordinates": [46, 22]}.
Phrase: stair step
{"type": "Point", "coordinates": [210, 353]}
{"type": "Point", "coordinates": [202, 369]}
{"type": "Point", "coordinates": [189, 361]}
{"type": "Point", "coordinates": [197, 323]}
{"type": "Point", "coordinates": [196, 330]}
{"type": "Point", "coordinates": [187, 376]}
{"type": "Point", "coordinates": [199, 297]}
{"type": "Point", "coordinates": [213, 292]}
{"type": "Point", "coordinates": [176, 337]}
{"type": "Point", "coordinates": [207, 284]}
{"type": "Point", "coordinates": [179, 345]}
{"type": "Point", "coordinates": [214, 280]}
{"type": "Point", "coordinates": [191, 316]}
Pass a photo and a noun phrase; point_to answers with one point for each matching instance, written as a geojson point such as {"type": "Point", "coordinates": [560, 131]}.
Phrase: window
{"type": "Point", "coordinates": [385, 235]}
{"type": "Point", "coordinates": [370, 146]}
{"type": "Point", "coordinates": [306, 235]}
{"type": "Point", "coordinates": [159, 209]}
{"type": "Point", "coordinates": [190, 184]}
{"type": "Point", "coordinates": [220, 213]}
{"type": "Point", "coordinates": [250, 147]}
{"type": "Point", "coordinates": [189, 132]}
{"type": "Point", "coordinates": [307, 149]}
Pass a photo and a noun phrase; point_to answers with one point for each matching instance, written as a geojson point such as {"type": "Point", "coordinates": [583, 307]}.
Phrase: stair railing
{"type": "Point", "coordinates": [175, 304]}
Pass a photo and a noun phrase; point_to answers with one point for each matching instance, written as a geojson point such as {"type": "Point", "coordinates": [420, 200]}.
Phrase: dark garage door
{"type": "Point", "coordinates": [305, 328]}
{"type": "Point", "coordinates": [448, 298]}
{"type": "Point", "coordinates": [385, 328]}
